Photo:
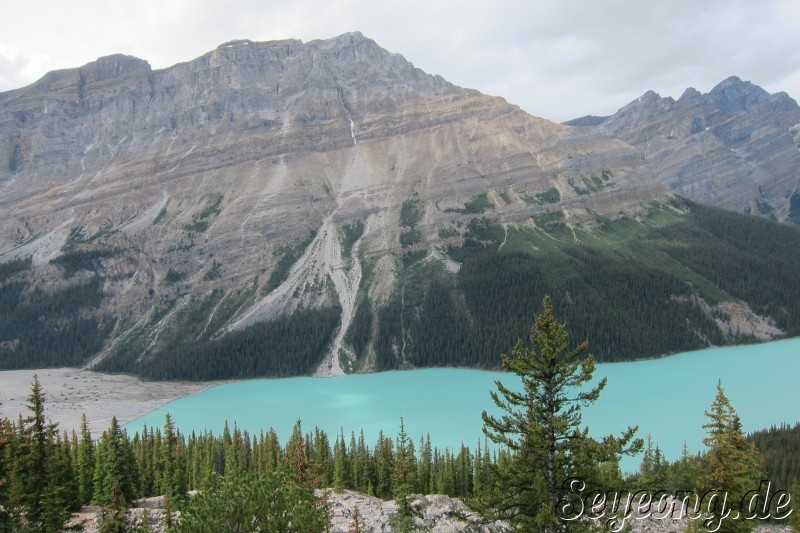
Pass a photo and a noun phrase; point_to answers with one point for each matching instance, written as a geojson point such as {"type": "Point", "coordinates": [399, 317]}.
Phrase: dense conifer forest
{"type": "Point", "coordinates": [631, 287]}
{"type": "Point", "coordinates": [39, 329]}
{"type": "Point", "coordinates": [780, 445]}
{"type": "Point", "coordinates": [285, 346]}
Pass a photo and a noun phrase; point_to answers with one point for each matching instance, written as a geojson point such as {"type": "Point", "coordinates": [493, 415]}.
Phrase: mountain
{"type": "Point", "coordinates": [735, 147]}
{"type": "Point", "coordinates": [283, 208]}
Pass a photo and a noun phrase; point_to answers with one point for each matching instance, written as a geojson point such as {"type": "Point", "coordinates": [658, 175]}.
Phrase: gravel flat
{"type": "Point", "coordinates": [70, 392]}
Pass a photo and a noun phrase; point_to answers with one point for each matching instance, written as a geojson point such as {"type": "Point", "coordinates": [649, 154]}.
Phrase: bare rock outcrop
{"type": "Point", "coordinates": [736, 147]}
{"type": "Point", "coordinates": [437, 513]}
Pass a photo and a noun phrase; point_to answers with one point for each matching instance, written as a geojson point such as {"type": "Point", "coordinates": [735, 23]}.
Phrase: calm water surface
{"type": "Point", "coordinates": [666, 398]}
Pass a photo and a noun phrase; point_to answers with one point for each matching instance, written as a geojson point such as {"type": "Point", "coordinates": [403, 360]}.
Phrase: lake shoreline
{"type": "Point", "coordinates": [72, 392]}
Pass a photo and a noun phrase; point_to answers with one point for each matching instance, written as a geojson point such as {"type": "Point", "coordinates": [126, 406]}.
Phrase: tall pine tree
{"type": "Point", "coordinates": [541, 425]}
{"type": "Point", "coordinates": [732, 465]}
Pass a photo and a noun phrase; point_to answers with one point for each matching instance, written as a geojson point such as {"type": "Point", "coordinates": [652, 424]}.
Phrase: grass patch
{"type": "Point", "coordinates": [212, 207]}
{"type": "Point", "coordinates": [174, 276]}
{"type": "Point", "coordinates": [409, 258]}
{"type": "Point", "coordinates": [410, 213]}
{"type": "Point", "coordinates": [352, 232]}
{"type": "Point", "coordinates": [550, 196]}
{"type": "Point", "coordinates": [213, 272]}
{"type": "Point", "coordinates": [578, 189]}
{"type": "Point", "coordinates": [549, 218]}
{"type": "Point", "coordinates": [410, 238]}
{"type": "Point", "coordinates": [104, 231]}
{"type": "Point", "coordinates": [200, 220]}
{"type": "Point", "coordinates": [76, 236]}
{"type": "Point", "coordinates": [198, 226]}
{"type": "Point", "coordinates": [477, 205]}
{"type": "Point", "coordinates": [763, 207]}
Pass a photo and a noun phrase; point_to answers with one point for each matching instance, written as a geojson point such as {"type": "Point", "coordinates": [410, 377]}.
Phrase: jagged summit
{"type": "Point", "coordinates": [709, 147]}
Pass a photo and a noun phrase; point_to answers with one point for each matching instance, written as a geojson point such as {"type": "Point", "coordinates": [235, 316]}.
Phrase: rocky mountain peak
{"type": "Point", "coordinates": [115, 66]}
{"type": "Point", "coordinates": [734, 95]}
{"type": "Point", "coordinates": [690, 96]}
{"type": "Point", "coordinates": [707, 146]}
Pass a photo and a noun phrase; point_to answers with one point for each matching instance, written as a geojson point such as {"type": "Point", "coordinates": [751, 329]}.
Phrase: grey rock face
{"type": "Point", "coordinates": [220, 163]}
{"type": "Point", "coordinates": [438, 513]}
{"type": "Point", "coordinates": [200, 176]}
{"type": "Point", "coordinates": [736, 147]}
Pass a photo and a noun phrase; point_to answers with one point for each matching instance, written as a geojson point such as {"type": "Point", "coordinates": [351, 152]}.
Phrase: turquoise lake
{"type": "Point", "coordinates": [665, 397]}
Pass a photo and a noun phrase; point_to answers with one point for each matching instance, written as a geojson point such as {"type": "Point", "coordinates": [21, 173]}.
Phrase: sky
{"type": "Point", "coordinates": [557, 59]}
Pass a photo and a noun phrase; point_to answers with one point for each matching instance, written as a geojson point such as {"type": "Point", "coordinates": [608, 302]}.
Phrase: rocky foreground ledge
{"type": "Point", "coordinates": [438, 514]}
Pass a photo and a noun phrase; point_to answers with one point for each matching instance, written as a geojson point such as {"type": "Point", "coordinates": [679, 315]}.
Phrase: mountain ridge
{"type": "Point", "coordinates": [264, 187]}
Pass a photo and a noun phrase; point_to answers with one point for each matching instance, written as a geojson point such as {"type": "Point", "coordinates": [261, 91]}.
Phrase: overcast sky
{"type": "Point", "coordinates": [557, 59]}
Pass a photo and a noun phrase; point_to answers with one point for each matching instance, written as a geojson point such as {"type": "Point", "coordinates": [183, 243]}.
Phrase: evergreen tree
{"type": "Point", "coordinates": [323, 462]}
{"type": "Point", "coordinates": [382, 458]}
{"type": "Point", "coordinates": [173, 472]}
{"type": "Point", "coordinates": [361, 465]}
{"type": "Point", "coordinates": [61, 493]}
{"type": "Point", "coordinates": [33, 458]}
{"type": "Point", "coordinates": [8, 516]}
{"type": "Point", "coordinates": [425, 466]}
{"type": "Point", "coordinates": [340, 466]}
{"type": "Point", "coordinates": [85, 464]}
{"type": "Point", "coordinates": [541, 426]}
{"type": "Point", "coordinates": [403, 481]}
{"type": "Point", "coordinates": [266, 503]}
{"type": "Point", "coordinates": [115, 468]}
{"type": "Point", "coordinates": [731, 465]}
{"type": "Point", "coordinates": [357, 525]}
{"type": "Point", "coordinates": [298, 466]}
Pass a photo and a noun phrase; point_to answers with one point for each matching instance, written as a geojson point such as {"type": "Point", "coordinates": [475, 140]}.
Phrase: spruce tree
{"type": "Point", "coordinates": [115, 475]}
{"type": "Point", "coordinates": [340, 466]}
{"type": "Point", "coordinates": [173, 483]}
{"type": "Point", "coordinates": [403, 481]}
{"type": "Point", "coordinates": [33, 458]}
{"type": "Point", "coordinates": [85, 464]}
{"type": "Point", "coordinates": [9, 519]}
{"type": "Point", "coordinates": [299, 468]}
{"type": "Point", "coordinates": [541, 426]}
{"type": "Point", "coordinates": [383, 457]}
{"type": "Point", "coordinates": [731, 465]}
{"type": "Point", "coordinates": [361, 465]}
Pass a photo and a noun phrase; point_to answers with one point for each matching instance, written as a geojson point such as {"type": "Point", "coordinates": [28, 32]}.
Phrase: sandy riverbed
{"type": "Point", "coordinates": [70, 392]}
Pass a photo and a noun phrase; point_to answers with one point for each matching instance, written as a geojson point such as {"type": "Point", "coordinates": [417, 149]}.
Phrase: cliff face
{"type": "Point", "coordinates": [735, 147]}
{"type": "Point", "coordinates": [283, 176]}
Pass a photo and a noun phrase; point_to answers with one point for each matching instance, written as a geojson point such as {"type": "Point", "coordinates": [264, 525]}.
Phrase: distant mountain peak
{"type": "Point", "coordinates": [690, 94]}
{"type": "Point", "coordinates": [733, 94]}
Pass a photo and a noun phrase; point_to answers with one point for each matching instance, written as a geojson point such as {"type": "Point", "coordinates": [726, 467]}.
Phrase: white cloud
{"type": "Point", "coordinates": [555, 58]}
